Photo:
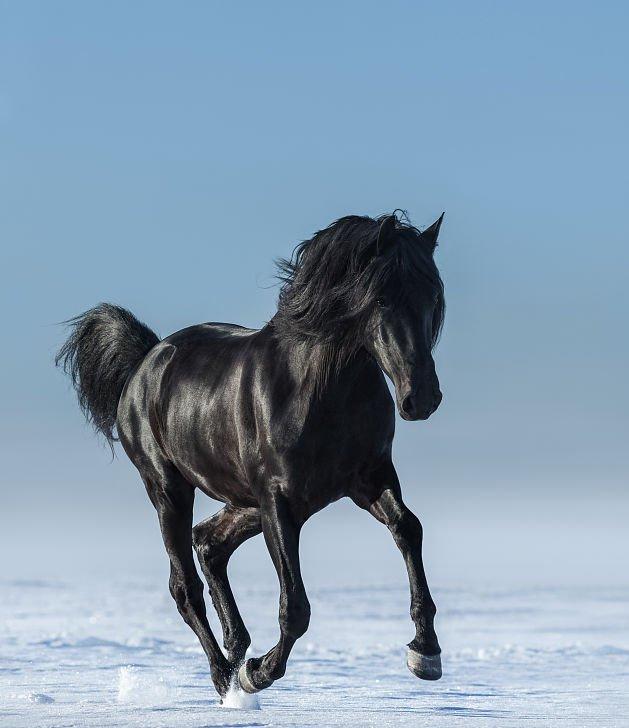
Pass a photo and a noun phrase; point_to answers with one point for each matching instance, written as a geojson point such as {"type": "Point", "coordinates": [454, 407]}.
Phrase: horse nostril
{"type": "Point", "coordinates": [408, 404]}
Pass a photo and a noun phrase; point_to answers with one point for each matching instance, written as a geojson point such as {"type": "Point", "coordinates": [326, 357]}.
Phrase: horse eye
{"type": "Point", "coordinates": [382, 302]}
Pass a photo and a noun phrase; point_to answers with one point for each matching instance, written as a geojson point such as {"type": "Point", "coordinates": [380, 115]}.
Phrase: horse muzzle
{"type": "Point", "coordinates": [412, 407]}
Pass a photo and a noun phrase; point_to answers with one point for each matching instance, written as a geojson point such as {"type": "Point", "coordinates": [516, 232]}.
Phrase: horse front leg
{"type": "Point", "coordinates": [423, 657]}
{"type": "Point", "coordinates": [281, 533]}
{"type": "Point", "coordinates": [215, 540]}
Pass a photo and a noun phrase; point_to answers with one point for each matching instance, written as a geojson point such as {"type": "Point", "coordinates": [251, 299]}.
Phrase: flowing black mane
{"type": "Point", "coordinates": [333, 280]}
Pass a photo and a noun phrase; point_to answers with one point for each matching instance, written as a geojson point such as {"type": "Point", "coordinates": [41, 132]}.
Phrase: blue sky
{"type": "Point", "coordinates": [160, 155]}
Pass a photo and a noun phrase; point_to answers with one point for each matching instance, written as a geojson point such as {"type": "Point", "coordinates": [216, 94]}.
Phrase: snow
{"type": "Point", "coordinates": [238, 699]}
{"type": "Point", "coordinates": [102, 652]}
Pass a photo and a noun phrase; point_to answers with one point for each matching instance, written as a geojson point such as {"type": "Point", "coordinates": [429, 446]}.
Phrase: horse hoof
{"type": "Point", "coordinates": [245, 681]}
{"type": "Point", "coordinates": [425, 667]}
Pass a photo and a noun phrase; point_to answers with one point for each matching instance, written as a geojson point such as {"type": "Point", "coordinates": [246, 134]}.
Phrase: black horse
{"type": "Point", "coordinates": [277, 423]}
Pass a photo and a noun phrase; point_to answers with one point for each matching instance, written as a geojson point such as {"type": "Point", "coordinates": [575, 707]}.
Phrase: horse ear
{"type": "Point", "coordinates": [431, 233]}
{"type": "Point", "coordinates": [386, 234]}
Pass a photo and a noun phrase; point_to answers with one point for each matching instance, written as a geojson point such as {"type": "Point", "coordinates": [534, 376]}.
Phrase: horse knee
{"type": "Point", "coordinates": [295, 618]}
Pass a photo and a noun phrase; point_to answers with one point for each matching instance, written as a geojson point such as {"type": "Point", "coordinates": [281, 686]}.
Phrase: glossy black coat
{"type": "Point", "coordinates": [247, 417]}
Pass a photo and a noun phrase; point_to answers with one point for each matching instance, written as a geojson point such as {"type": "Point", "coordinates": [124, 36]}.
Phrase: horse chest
{"type": "Point", "coordinates": [323, 457]}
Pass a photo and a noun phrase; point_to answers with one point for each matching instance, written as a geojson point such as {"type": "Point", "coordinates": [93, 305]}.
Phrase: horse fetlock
{"type": "Point", "coordinates": [423, 615]}
{"type": "Point", "coordinates": [221, 678]}
{"type": "Point", "coordinates": [295, 619]}
{"type": "Point", "coordinates": [278, 671]}
{"type": "Point", "coordinates": [237, 647]}
{"type": "Point", "coordinates": [425, 644]}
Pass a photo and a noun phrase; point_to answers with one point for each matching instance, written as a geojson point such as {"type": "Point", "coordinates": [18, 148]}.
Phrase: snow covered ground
{"type": "Point", "coordinates": [116, 653]}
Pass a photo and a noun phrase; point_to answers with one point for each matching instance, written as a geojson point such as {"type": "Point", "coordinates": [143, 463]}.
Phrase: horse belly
{"type": "Point", "coordinates": [222, 483]}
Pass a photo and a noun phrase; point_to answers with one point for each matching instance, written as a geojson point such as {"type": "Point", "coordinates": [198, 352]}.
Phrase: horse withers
{"type": "Point", "coordinates": [277, 423]}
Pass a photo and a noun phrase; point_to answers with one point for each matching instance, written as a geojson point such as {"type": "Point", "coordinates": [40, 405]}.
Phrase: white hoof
{"type": "Point", "coordinates": [244, 681]}
{"type": "Point", "coordinates": [426, 667]}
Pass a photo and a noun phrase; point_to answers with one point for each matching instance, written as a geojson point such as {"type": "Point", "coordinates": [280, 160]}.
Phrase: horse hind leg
{"type": "Point", "coordinates": [173, 498]}
{"type": "Point", "coordinates": [215, 540]}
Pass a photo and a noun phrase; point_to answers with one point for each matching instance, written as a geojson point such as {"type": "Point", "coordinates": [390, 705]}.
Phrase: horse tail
{"type": "Point", "coordinates": [105, 345]}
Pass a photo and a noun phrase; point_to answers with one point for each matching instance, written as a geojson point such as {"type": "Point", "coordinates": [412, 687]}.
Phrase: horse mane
{"type": "Point", "coordinates": [332, 281]}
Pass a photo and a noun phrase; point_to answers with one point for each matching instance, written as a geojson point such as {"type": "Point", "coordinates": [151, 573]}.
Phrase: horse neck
{"type": "Point", "coordinates": [315, 368]}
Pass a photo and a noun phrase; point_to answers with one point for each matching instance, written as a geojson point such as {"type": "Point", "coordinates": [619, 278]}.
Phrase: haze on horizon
{"type": "Point", "coordinates": [161, 158]}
